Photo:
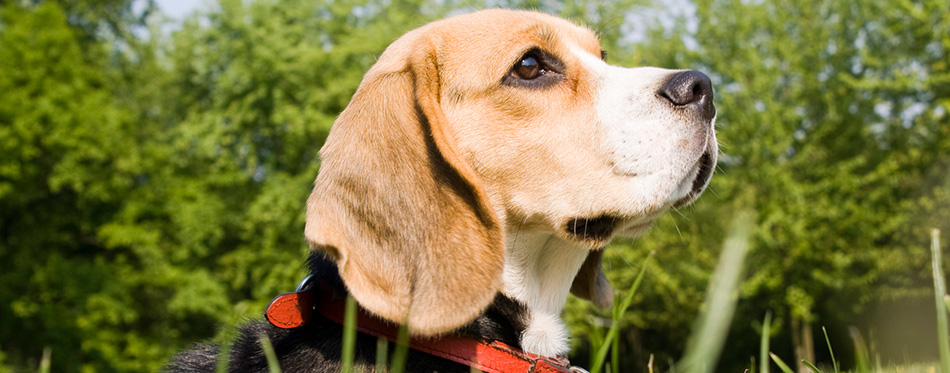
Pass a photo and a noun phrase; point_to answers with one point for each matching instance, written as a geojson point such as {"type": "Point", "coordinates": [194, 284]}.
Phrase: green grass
{"type": "Point", "coordinates": [834, 363]}
{"type": "Point", "coordinates": [347, 355]}
{"type": "Point", "coordinates": [611, 342]}
{"type": "Point", "coordinates": [862, 354]}
{"type": "Point", "coordinates": [709, 333]}
{"type": "Point", "coordinates": [940, 297]}
{"type": "Point", "coordinates": [349, 335]}
{"type": "Point", "coordinates": [45, 361]}
{"type": "Point", "coordinates": [764, 343]}
{"type": "Point", "coordinates": [781, 364]}
{"type": "Point", "coordinates": [708, 336]}
{"type": "Point", "coordinates": [402, 350]}
{"type": "Point", "coordinates": [273, 366]}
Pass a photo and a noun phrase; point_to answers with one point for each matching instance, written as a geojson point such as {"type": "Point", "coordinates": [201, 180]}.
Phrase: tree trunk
{"type": "Point", "coordinates": [804, 343]}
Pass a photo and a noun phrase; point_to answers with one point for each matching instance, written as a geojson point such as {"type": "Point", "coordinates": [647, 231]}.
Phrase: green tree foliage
{"type": "Point", "coordinates": [68, 162]}
{"type": "Point", "coordinates": [148, 201]}
{"type": "Point", "coordinates": [833, 119]}
{"type": "Point", "coordinates": [152, 183]}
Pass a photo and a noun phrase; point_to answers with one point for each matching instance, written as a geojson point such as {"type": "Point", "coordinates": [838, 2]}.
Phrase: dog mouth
{"type": "Point", "coordinates": [600, 229]}
{"type": "Point", "coordinates": [597, 232]}
{"type": "Point", "coordinates": [592, 229]}
{"type": "Point", "coordinates": [704, 169]}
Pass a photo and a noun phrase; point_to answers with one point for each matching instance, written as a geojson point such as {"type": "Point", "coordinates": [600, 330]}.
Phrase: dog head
{"type": "Point", "coordinates": [497, 151]}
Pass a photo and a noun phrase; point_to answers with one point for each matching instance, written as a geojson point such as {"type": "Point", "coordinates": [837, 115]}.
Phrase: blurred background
{"type": "Point", "coordinates": [155, 158]}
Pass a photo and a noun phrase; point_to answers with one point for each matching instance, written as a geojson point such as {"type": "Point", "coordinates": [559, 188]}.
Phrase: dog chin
{"type": "Point", "coordinates": [597, 230]}
{"type": "Point", "coordinates": [696, 181]}
{"type": "Point", "coordinates": [635, 229]}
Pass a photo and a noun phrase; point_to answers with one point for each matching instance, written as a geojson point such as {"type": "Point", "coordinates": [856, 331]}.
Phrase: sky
{"type": "Point", "coordinates": [178, 9]}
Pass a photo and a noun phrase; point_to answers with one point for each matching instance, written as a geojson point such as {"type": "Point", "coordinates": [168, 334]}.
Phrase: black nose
{"type": "Point", "coordinates": [690, 88]}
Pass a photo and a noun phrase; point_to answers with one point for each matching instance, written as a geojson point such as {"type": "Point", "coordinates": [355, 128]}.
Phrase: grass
{"type": "Point", "coordinates": [764, 343]}
{"type": "Point", "coordinates": [704, 346]}
{"type": "Point", "coordinates": [862, 356]}
{"type": "Point", "coordinates": [765, 355]}
{"type": "Point", "coordinates": [834, 363]}
{"type": "Point", "coordinates": [709, 334]}
{"type": "Point", "coordinates": [45, 361]}
{"type": "Point", "coordinates": [703, 350]}
{"type": "Point", "coordinates": [940, 297]}
{"type": "Point", "coordinates": [611, 342]}
{"type": "Point", "coordinates": [273, 365]}
{"type": "Point", "coordinates": [710, 331]}
{"type": "Point", "coordinates": [398, 363]}
{"type": "Point", "coordinates": [349, 335]}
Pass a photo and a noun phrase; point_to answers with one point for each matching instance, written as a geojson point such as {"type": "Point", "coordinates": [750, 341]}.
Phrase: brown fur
{"type": "Point", "coordinates": [476, 175]}
{"type": "Point", "coordinates": [427, 210]}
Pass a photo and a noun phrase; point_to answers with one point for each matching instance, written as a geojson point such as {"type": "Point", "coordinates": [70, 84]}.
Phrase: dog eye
{"type": "Point", "coordinates": [528, 68]}
{"type": "Point", "coordinates": [536, 69]}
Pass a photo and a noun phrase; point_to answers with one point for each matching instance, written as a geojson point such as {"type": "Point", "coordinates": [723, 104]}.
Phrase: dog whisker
{"type": "Point", "coordinates": [677, 210]}
{"type": "Point", "coordinates": [678, 230]}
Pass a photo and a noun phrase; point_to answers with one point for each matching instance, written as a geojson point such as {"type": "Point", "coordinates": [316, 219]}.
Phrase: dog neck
{"type": "Point", "coordinates": [539, 270]}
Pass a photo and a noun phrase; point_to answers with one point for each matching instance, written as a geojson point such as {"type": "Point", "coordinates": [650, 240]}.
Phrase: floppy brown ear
{"type": "Point", "coordinates": [591, 283]}
{"type": "Point", "coordinates": [406, 220]}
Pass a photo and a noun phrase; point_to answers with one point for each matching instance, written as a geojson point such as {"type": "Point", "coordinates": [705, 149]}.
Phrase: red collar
{"type": "Point", "coordinates": [291, 310]}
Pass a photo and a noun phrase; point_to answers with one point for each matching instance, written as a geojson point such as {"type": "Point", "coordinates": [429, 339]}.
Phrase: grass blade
{"type": "Point", "coordinates": [596, 337]}
{"type": "Point", "coordinates": [862, 363]}
{"type": "Point", "coordinates": [402, 350]}
{"type": "Point", "coordinates": [273, 366]}
{"type": "Point", "coordinates": [225, 341]}
{"type": "Point", "coordinates": [46, 360]}
{"type": "Point", "coordinates": [709, 336]}
{"type": "Point", "coordinates": [764, 343]}
{"type": "Point", "coordinates": [811, 366]}
{"type": "Point", "coordinates": [940, 291]}
{"type": "Point", "coordinates": [349, 335]}
{"type": "Point", "coordinates": [382, 352]}
{"type": "Point", "coordinates": [619, 310]}
{"type": "Point", "coordinates": [834, 363]}
{"type": "Point", "coordinates": [781, 364]}
{"type": "Point", "coordinates": [615, 356]}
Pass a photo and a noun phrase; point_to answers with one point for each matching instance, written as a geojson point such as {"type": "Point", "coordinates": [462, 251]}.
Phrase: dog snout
{"type": "Point", "coordinates": [690, 88]}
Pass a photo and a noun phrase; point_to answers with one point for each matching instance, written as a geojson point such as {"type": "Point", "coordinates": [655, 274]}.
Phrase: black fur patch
{"type": "Point", "coordinates": [316, 347]}
{"type": "Point", "coordinates": [599, 228]}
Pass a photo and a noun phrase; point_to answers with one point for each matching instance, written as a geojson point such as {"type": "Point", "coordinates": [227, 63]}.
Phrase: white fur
{"type": "Point", "coordinates": [539, 270]}
{"type": "Point", "coordinates": [659, 149]}
{"type": "Point", "coordinates": [653, 145]}
{"type": "Point", "coordinates": [545, 335]}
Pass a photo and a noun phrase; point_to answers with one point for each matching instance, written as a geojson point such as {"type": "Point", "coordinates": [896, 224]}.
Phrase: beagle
{"type": "Point", "coordinates": [471, 183]}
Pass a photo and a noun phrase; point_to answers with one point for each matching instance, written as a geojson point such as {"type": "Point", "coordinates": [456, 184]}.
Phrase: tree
{"type": "Point", "coordinates": [146, 201]}
{"type": "Point", "coordinates": [833, 120]}
{"type": "Point", "coordinates": [70, 159]}
{"type": "Point", "coordinates": [152, 186]}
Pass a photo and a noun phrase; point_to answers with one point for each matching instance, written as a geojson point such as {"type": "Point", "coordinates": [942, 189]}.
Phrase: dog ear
{"type": "Point", "coordinates": [406, 220]}
{"type": "Point", "coordinates": [591, 283]}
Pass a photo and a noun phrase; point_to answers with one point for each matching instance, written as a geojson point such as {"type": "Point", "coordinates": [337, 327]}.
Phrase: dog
{"type": "Point", "coordinates": [472, 183]}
